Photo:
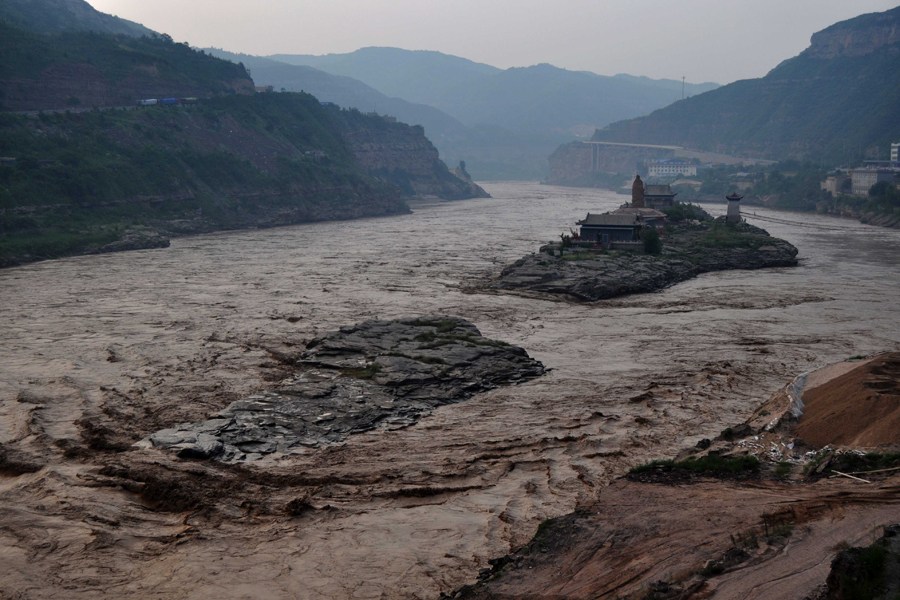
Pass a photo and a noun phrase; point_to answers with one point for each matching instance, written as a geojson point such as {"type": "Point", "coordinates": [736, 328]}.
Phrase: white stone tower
{"type": "Point", "coordinates": [734, 208]}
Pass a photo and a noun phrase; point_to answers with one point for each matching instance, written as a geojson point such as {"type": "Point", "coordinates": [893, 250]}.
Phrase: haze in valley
{"type": "Point", "coordinates": [702, 40]}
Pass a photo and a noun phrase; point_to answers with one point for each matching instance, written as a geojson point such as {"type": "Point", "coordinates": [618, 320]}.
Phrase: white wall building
{"type": "Point", "coordinates": [864, 178]}
{"type": "Point", "coordinates": [671, 168]}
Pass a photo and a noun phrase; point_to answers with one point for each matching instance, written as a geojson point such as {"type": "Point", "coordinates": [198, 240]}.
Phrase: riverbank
{"type": "Point", "coordinates": [717, 521]}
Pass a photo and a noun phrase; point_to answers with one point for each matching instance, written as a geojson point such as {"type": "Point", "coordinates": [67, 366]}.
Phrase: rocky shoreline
{"type": "Point", "coordinates": [373, 374]}
{"type": "Point", "coordinates": [588, 275]}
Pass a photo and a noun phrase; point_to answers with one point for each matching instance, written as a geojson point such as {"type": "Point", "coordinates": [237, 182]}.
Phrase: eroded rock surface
{"type": "Point", "coordinates": [586, 275]}
{"type": "Point", "coordinates": [386, 373]}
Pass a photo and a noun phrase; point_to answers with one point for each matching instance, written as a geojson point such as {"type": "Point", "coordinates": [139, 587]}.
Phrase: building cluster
{"type": "Point", "coordinates": [621, 228]}
{"type": "Point", "coordinates": [670, 168]}
{"type": "Point", "coordinates": [858, 181]}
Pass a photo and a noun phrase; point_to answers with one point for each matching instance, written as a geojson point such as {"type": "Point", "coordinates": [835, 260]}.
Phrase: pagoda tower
{"type": "Point", "coordinates": [637, 193]}
{"type": "Point", "coordinates": [734, 208]}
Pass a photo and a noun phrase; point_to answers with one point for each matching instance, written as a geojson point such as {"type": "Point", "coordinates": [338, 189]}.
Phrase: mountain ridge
{"type": "Point", "coordinates": [835, 101]}
{"type": "Point", "coordinates": [55, 16]}
{"type": "Point", "coordinates": [515, 117]}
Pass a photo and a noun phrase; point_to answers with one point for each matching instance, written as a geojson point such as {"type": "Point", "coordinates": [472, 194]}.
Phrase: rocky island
{"type": "Point", "coordinates": [668, 246]}
{"type": "Point", "coordinates": [375, 373]}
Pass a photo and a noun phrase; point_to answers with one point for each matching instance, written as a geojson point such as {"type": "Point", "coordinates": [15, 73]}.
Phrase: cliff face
{"type": "Point", "coordinates": [402, 155]}
{"type": "Point", "coordinates": [580, 164]}
{"type": "Point", "coordinates": [859, 37]}
{"type": "Point", "coordinates": [84, 182]}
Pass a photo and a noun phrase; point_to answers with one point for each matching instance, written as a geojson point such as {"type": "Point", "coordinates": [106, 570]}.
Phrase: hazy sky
{"type": "Point", "coordinates": [703, 40]}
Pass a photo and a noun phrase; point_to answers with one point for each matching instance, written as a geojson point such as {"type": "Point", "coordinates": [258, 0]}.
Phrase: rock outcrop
{"type": "Point", "coordinates": [856, 37]}
{"type": "Point", "coordinates": [587, 275]}
{"type": "Point", "coordinates": [402, 155]}
{"type": "Point", "coordinates": [376, 373]}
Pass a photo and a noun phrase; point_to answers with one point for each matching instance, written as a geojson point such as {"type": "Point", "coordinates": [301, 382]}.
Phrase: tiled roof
{"type": "Point", "coordinates": [646, 213]}
{"type": "Point", "coordinates": [622, 220]}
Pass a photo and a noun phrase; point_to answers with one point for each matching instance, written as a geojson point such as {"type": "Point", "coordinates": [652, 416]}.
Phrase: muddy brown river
{"type": "Point", "coordinates": [142, 340]}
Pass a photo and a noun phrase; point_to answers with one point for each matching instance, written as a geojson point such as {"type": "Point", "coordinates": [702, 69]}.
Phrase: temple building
{"type": "Point", "coordinates": [659, 196]}
{"type": "Point", "coordinates": [651, 196]}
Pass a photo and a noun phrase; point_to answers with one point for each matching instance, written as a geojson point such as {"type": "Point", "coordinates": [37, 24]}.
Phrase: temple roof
{"type": "Point", "coordinates": [645, 213]}
{"type": "Point", "coordinates": [620, 220]}
{"type": "Point", "coordinates": [658, 190]}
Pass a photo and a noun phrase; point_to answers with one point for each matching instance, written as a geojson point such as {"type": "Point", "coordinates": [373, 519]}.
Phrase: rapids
{"type": "Point", "coordinates": [142, 340]}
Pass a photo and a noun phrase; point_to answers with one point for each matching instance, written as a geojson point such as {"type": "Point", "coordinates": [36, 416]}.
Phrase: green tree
{"type": "Point", "coordinates": [652, 243]}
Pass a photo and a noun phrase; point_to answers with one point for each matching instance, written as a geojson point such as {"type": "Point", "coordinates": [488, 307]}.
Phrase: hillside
{"type": "Point", "coordinates": [85, 169]}
{"type": "Point", "coordinates": [83, 69]}
{"type": "Point", "coordinates": [836, 102]}
{"type": "Point", "coordinates": [515, 117]}
{"type": "Point", "coordinates": [55, 16]}
{"type": "Point", "coordinates": [98, 180]}
{"type": "Point", "coordinates": [442, 129]}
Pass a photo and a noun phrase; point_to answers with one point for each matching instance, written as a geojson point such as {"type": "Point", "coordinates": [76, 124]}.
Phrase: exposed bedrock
{"type": "Point", "coordinates": [376, 373]}
{"type": "Point", "coordinates": [589, 275]}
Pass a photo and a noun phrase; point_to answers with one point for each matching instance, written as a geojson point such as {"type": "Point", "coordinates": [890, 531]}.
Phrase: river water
{"type": "Point", "coordinates": [159, 336]}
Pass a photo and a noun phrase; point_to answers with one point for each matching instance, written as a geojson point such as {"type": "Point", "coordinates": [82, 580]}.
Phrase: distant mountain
{"type": "Point", "coordinates": [54, 16]}
{"type": "Point", "coordinates": [549, 99]}
{"type": "Point", "coordinates": [836, 101]}
{"type": "Point", "coordinates": [519, 114]}
{"type": "Point", "coordinates": [538, 99]}
{"type": "Point", "coordinates": [440, 127]}
{"type": "Point", "coordinates": [491, 152]}
{"type": "Point", "coordinates": [416, 75]}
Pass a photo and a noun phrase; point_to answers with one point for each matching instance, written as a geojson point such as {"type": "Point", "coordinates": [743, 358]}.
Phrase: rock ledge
{"type": "Point", "coordinates": [375, 373]}
{"type": "Point", "coordinates": [689, 250]}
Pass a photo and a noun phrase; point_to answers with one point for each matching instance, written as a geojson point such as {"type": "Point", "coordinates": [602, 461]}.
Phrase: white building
{"type": "Point", "coordinates": [671, 168]}
{"type": "Point", "coordinates": [864, 178]}
{"type": "Point", "coordinates": [895, 152]}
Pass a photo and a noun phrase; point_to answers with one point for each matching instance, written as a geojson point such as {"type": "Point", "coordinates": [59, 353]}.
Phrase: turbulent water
{"type": "Point", "coordinates": [150, 338]}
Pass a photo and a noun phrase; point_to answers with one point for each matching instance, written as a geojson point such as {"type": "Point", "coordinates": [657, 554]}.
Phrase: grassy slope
{"type": "Point", "coordinates": [81, 180]}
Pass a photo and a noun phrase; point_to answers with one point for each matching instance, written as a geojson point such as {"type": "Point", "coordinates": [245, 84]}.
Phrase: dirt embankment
{"type": "Point", "coordinates": [770, 533]}
{"type": "Point", "coordinates": [860, 408]}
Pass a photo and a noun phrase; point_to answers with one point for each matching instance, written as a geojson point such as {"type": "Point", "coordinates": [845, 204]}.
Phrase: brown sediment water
{"type": "Point", "coordinates": [99, 351]}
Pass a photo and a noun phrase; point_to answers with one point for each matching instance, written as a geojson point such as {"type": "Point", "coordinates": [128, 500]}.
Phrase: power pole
{"type": "Point", "coordinates": [682, 87]}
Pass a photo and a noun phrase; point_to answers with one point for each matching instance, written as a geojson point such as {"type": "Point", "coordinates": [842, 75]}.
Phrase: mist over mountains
{"type": "Point", "coordinates": [515, 117]}
{"type": "Point", "coordinates": [837, 101]}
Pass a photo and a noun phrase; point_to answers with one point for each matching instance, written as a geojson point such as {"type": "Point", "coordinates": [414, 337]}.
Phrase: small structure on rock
{"type": "Point", "coordinates": [607, 228]}
{"type": "Point", "coordinates": [620, 225]}
{"type": "Point", "coordinates": [637, 193]}
{"type": "Point", "coordinates": [651, 196]}
{"type": "Point", "coordinates": [734, 208]}
{"type": "Point", "coordinates": [659, 196]}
